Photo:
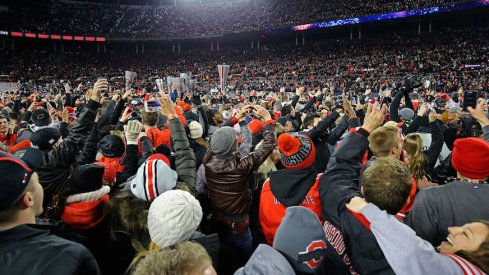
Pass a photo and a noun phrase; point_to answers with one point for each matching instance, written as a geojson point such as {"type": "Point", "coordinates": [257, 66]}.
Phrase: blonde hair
{"type": "Point", "coordinates": [383, 139]}
{"type": "Point", "coordinates": [266, 167]}
{"type": "Point", "coordinates": [417, 162]}
{"type": "Point", "coordinates": [185, 258]}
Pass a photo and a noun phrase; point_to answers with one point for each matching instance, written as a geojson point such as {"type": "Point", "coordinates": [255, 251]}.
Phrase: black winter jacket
{"type": "Point", "coordinates": [58, 163]}
{"type": "Point", "coordinates": [351, 245]}
{"type": "Point", "coordinates": [30, 249]}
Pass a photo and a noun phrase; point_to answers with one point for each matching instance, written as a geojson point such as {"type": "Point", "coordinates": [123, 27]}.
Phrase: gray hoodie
{"type": "Point", "coordinates": [265, 261]}
{"type": "Point", "coordinates": [408, 253]}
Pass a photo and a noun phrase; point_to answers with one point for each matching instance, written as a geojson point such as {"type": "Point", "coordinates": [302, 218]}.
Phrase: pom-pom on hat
{"type": "Point", "coordinates": [173, 217]}
{"type": "Point", "coordinates": [296, 151]}
{"type": "Point", "coordinates": [470, 157]}
{"type": "Point", "coordinates": [255, 126]}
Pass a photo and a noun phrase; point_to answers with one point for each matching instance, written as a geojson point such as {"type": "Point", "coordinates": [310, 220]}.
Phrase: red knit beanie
{"type": "Point", "coordinates": [255, 126]}
{"type": "Point", "coordinates": [470, 157]}
{"type": "Point", "coordinates": [296, 151]}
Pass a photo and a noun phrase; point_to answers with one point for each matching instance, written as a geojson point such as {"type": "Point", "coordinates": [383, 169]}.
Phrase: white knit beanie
{"type": "Point", "coordinates": [173, 217]}
{"type": "Point", "coordinates": [196, 130]}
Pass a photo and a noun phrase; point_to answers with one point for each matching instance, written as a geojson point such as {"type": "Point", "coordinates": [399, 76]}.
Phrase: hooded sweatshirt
{"type": "Point", "coordinates": [266, 260]}
{"type": "Point", "coordinates": [287, 188]}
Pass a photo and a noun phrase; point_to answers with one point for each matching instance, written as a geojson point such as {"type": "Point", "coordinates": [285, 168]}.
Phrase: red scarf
{"type": "Point", "coordinates": [115, 162]}
{"type": "Point", "coordinates": [84, 215]}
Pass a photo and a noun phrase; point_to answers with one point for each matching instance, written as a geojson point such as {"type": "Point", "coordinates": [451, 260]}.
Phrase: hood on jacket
{"type": "Point", "coordinates": [290, 186]}
{"type": "Point", "coordinates": [266, 260]}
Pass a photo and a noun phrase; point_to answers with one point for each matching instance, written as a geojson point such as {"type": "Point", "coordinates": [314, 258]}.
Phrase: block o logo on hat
{"type": "Point", "coordinates": [313, 255]}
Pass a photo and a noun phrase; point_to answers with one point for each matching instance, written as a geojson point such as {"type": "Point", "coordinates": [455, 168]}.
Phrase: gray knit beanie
{"type": "Point", "coordinates": [223, 142]}
{"type": "Point", "coordinates": [406, 114]}
{"type": "Point", "coordinates": [300, 238]}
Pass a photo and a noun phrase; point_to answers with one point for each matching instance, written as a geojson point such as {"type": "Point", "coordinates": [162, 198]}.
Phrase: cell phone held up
{"type": "Point", "coordinates": [470, 99]}
{"type": "Point", "coordinates": [152, 106]}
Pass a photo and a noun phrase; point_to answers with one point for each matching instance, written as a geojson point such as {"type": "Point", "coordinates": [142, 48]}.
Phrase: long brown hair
{"type": "Point", "coordinates": [417, 162]}
{"type": "Point", "coordinates": [128, 215]}
{"type": "Point", "coordinates": [202, 142]}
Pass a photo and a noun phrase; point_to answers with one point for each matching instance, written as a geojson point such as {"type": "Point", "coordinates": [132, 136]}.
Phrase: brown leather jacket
{"type": "Point", "coordinates": [228, 179]}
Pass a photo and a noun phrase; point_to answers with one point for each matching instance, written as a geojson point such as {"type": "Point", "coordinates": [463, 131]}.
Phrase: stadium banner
{"type": "Point", "coordinates": [130, 76]}
{"type": "Point", "coordinates": [159, 84]}
{"type": "Point", "coordinates": [223, 75]}
{"type": "Point", "coordinates": [186, 79]}
{"type": "Point", "coordinates": [169, 82]}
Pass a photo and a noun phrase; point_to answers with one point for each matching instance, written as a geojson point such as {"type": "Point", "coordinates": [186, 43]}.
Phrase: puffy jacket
{"type": "Point", "coordinates": [31, 249]}
{"type": "Point", "coordinates": [184, 155]}
{"type": "Point", "coordinates": [287, 188]}
{"type": "Point", "coordinates": [351, 245]}
{"type": "Point", "coordinates": [58, 163]}
{"type": "Point", "coordinates": [227, 179]}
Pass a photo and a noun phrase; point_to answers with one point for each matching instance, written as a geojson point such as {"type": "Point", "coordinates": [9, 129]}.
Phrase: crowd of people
{"type": "Point", "coordinates": [299, 181]}
{"type": "Point", "coordinates": [342, 156]}
{"type": "Point", "coordinates": [451, 59]}
{"type": "Point", "coordinates": [192, 20]}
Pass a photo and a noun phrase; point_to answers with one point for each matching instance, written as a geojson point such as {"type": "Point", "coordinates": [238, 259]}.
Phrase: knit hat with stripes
{"type": "Point", "coordinates": [154, 177]}
{"type": "Point", "coordinates": [296, 151]}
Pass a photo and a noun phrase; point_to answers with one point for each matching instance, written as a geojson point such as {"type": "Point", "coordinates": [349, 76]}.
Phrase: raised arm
{"type": "Point", "coordinates": [405, 252]}
{"type": "Point", "coordinates": [339, 182]}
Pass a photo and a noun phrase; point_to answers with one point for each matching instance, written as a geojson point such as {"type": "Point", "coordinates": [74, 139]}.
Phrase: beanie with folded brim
{"type": "Point", "coordinates": [470, 157]}
{"type": "Point", "coordinates": [296, 151]}
{"type": "Point", "coordinates": [44, 139]}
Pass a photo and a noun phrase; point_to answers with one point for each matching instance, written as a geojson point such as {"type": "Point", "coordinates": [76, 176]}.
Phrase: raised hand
{"type": "Point", "coordinates": [356, 204]}
{"type": "Point", "coordinates": [132, 130]}
{"type": "Point", "coordinates": [262, 112]}
{"type": "Point", "coordinates": [99, 86]}
{"type": "Point", "coordinates": [423, 109]}
{"type": "Point", "coordinates": [167, 107]}
{"type": "Point", "coordinates": [374, 117]}
{"type": "Point", "coordinates": [478, 113]}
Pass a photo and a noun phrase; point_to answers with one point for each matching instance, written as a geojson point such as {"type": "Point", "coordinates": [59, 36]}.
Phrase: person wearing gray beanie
{"type": "Point", "coordinates": [228, 175]}
{"type": "Point", "coordinates": [301, 239]}
{"type": "Point", "coordinates": [406, 114]}
{"type": "Point", "coordinates": [224, 143]}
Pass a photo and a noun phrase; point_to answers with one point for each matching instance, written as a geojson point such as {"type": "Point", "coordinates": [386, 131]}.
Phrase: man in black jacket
{"type": "Point", "coordinates": [26, 248]}
{"type": "Point", "coordinates": [59, 155]}
{"type": "Point", "coordinates": [352, 248]}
